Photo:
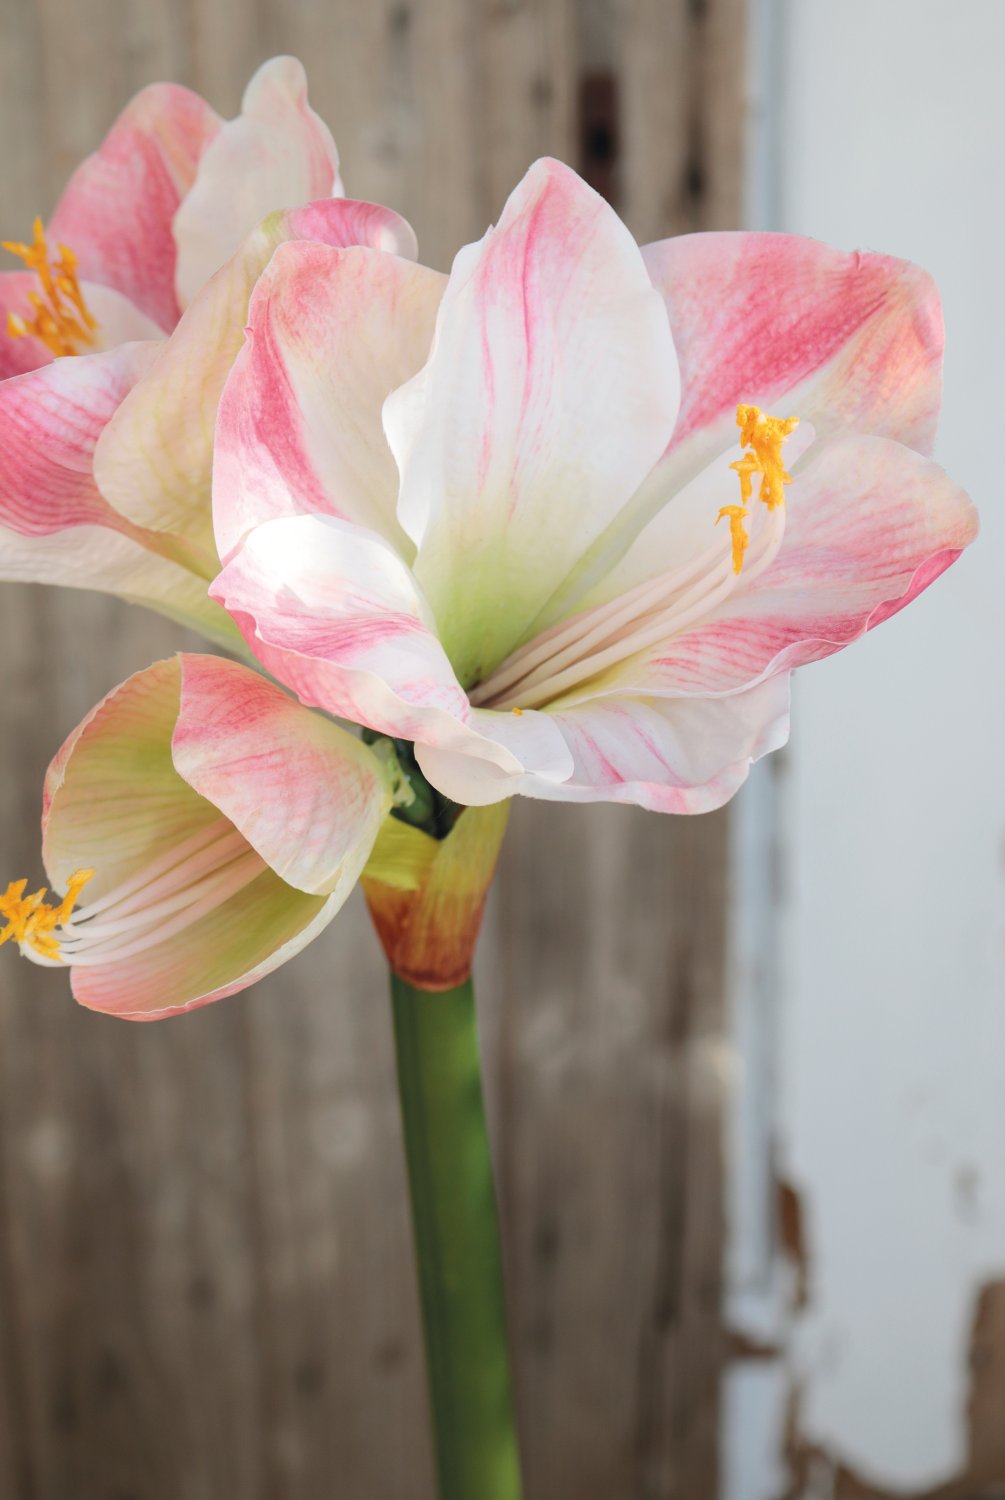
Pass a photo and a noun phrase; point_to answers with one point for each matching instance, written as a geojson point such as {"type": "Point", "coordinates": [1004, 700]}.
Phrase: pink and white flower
{"type": "Point", "coordinates": [204, 828]}
{"type": "Point", "coordinates": [160, 206]}
{"type": "Point", "coordinates": [106, 462]}
{"type": "Point", "coordinates": [478, 512]}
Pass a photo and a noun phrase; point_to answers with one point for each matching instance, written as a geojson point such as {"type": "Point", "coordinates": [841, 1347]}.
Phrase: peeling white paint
{"type": "Point", "coordinates": [884, 1076]}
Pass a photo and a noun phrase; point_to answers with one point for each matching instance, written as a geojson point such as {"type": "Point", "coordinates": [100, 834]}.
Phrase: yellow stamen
{"type": "Point", "coordinates": [60, 317]}
{"type": "Point", "coordinates": [32, 921]}
{"type": "Point", "coordinates": [746, 467]}
{"type": "Point", "coordinates": [737, 531]}
{"type": "Point", "coordinates": [763, 437]}
{"type": "Point", "coordinates": [518, 712]}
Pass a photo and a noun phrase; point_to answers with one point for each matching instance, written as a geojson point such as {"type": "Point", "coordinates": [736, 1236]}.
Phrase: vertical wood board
{"type": "Point", "coordinates": [205, 1277]}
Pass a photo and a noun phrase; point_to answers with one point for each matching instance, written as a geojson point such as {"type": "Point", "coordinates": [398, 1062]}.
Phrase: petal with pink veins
{"type": "Point", "coordinates": [333, 612]}
{"type": "Point", "coordinates": [845, 342]}
{"type": "Point", "coordinates": [154, 459]}
{"type": "Point", "coordinates": [308, 796]}
{"type": "Point", "coordinates": [18, 355]}
{"type": "Point", "coordinates": [852, 342]}
{"type": "Point", "coordinates": [331, 334]}
{"type": "Point", "coordinates": [276, 154]}
{"type": "Point", "coordinates": [117, 211]}
{"type": "Point", "coordinates": [869, 525]}
{"type": "Point", "coordinates": [55, 526]}
{"type": "Point", "coordinates": [230, 949]}
{"type": "Point", "coordinates": [117, 800]}
{"type": "Point", "coordinates": [51, 420]}
{"type": "Point", "coordinates": [671, 756]}
{"type": "Point", "coordinates": [551, 390]}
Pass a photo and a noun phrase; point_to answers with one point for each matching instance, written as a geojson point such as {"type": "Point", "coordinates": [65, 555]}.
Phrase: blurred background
{"type": "Point", "coordinates": [746, 1072]}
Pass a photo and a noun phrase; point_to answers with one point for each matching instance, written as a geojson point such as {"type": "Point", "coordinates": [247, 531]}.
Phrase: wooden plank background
{"type": "Point", "coordinates": [206, 1290]}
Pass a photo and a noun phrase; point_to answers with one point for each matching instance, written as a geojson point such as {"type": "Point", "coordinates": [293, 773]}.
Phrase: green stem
{"type": "Point", "coordinates": [457, 1242]}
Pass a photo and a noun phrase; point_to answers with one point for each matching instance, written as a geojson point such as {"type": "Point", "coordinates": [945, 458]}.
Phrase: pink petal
{"type": "Point", "coordinates": [154, 460]}
{"type": "Point", "coordinates": [350, 221]}
{"type": "Point", "coordinates": [849, 341]}
{"type": "Point", "coordinates": [117, 210]}
{"type": "Point", "coordinates": [332, 333]}
{"type": "Point", "coordinates": [334, 613]}
{"type": "Point", "coordinates": [307, 795]}
{"type": "Point", "coordinates": [870, 524]}
{"type": "Point", "coordinates": [550, 392]}
{"type": "Point", "coordinates": [341, 601]}
{"type": "Point", "coordinates": [112, 798]}
{"type": "Point", "coordinates": [501, 755]}
{"type": "Point", "coordinates": [18, 355]}
{"type": "Point", "coordinates": [844, 342]}
{"type": "Point", "coordinates": [231, 949]}
{"type": "Point", "coordinates": [51, 420]}
{"type": "Point", "coordinates": [668, 755]}
{"type": "Point", "coordinates": [276, 154]}
{"type": "Point", "coordinates": [55, 526]}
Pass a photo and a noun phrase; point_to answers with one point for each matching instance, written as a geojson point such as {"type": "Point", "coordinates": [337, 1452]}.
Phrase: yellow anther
{"type": "Point", "coordinates": [737, 531]}
{"type": "Point", "coordinates": [60, 317]}
{"type": "Point", "coordinates": [763, 437]}
{"type": "Point", "coordinates": [16, 907]}
{"type": "Point", "coordinates": [32, 921]}
{"type": "Point", "coordinates": [518, 712]}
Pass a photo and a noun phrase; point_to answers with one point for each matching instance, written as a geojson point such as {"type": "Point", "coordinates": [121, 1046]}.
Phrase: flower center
{"type": "Point", "coordinates": [763, 437]}
{"type": "Point", "coordinates": [171, 892]}
{"type": "Point", "coordinates": [577, 650]}
{"type": "Point", "coordinates": [60, 318]}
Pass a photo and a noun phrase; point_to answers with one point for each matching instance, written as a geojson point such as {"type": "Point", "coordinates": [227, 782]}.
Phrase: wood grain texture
{"type": "Point", "coordinates": [205, 1280]}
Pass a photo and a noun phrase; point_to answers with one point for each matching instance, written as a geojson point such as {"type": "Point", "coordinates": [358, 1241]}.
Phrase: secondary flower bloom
{"type": "Point", "coordinates": [479, 512]}
{"type": "Point", "coordinates": [96, 496]}
{"type": "Point", "coordinates": [106, 460]}
{"type": "Point", "coordinates": [204, 828]}
{"type": "Point", "coordinates": [147, 219]}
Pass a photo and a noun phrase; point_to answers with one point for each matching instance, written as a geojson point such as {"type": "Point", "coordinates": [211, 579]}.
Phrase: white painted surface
{"type": "Point", "coordinates": [883, 127]}
{"type": "Point", "coordinates": [754, 1401]}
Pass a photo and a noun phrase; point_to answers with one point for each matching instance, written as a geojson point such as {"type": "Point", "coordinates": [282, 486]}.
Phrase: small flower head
{"type": "Point", "coordinates": [227, 823]}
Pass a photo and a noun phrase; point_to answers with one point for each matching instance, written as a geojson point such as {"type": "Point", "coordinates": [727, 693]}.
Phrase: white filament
{"type": "Point", "coordinates": [171, 893]}
{"type": "Point", "coordinates": [652, 613]}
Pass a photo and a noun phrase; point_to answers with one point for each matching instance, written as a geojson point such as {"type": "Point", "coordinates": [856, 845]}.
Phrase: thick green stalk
{"type": "Point", "coordinates": [457, 1242]}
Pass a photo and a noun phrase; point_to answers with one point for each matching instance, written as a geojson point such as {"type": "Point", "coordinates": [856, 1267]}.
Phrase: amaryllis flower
{"type": "Point", "coordinates": [480, 513]}
{"type": "Point", "coordinates": [105, 464]}
{"type": "Point", "coordinates": [164, 201]}
{"type": "Point", "coordinates": [203, 828]}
